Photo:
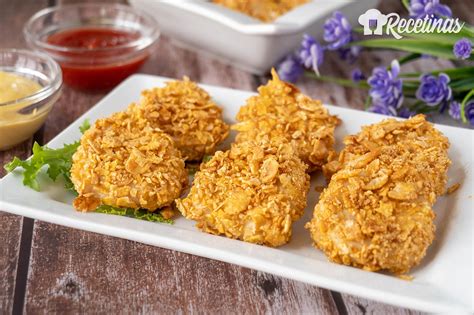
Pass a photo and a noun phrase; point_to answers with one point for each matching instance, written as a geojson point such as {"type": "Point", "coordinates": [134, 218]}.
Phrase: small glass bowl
{"type": "Point", "coordinates": [22, 117]}
{"type": "Point", "coordinates": [100, 67]}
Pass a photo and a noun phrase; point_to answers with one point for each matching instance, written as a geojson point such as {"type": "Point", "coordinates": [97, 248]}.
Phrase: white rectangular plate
{"type": "Point", "coordinates": [442, 283]}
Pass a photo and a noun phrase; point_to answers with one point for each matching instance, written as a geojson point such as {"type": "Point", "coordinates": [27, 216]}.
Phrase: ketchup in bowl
{"type": "Point", "coordinates": [92, 38]}
{"type": "Point", "coordinates": [93, 63]}
{"type": "Point", "coordinates": [97, 45]}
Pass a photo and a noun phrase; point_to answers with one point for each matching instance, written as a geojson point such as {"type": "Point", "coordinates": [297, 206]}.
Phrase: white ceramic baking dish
{"type": "Point", "coordinates": [240, 40]}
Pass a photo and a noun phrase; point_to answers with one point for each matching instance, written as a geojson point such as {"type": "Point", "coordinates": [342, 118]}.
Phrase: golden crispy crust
{"type": "Point", "coordinates": [280, 112]}
{"type": "Point", "coordinates": [376, 212]}
{"type": "Point", "coordinates": [253, 192]}
{"type": "Point", "coordinates": [264, 10]}
{"type": "Point", "coordinates": [124, 162]}
{"type": "Point", "coordinates": [185, 112]}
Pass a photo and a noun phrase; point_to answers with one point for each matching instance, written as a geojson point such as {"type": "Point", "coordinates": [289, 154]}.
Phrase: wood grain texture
{"type": "Point", "coordinates": [358, 306]}
{"type": "Point", "coordinates": [75, 272]}
{"type": "Point", "coordinates": [462, 9]}
{"type": "Point", "coordinates": [10, 233]}
{"type": "Point", "coordinates": [13, 15]}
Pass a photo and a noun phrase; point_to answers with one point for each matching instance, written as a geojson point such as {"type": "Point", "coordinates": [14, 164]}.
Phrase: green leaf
{"type": "Point", "coordinates": [16, 162]}
{"type": "Point", "coordinates": [448, 38]}
{"type": "Point", "coordinates": [85, 126]}
{"type": "Point", "coordinates": [140, 214]}
{"type": "Point", "coordinates": [206, 158]}
{"type": "Point", "coordinates": [410, 86]}
{"type": "Point", "coordinates": [194, 167]}
{"type": "Point", "coordinates": [462, 85]}
{"type": "Point", "coordinates": [464, 103]}
{"type": "Point", "coordinates": [58, 162]}
{"type": "Point", "coordinates": [406, 4]}
{"type": "Point", "coordinates": [427, 110]}
{"type": "Point", "coordinates": [367, 103]}
{"type": "Point", "coordinates": [192, 170]}
{"type": "Point", "coordinates": [453, 73]}
{"type": "Point", "coordinates": [438, 49]}
{"type": "Point", "coordinates": [408, 58]}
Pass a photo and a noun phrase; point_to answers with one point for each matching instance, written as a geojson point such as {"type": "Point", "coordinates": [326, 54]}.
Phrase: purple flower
{"type": "Point", "coordinates": [357, 75]}
{"type": "Point", "coordinates": [382, 109]}
{"type": "Point", "coordinates": [290, 68]}
{"type": "Point", "coordinates": [462, 49]}
{"type": "Point", "coordinates": [311, 53]}
{"type": "Point", "coordinates": [455, 110]}
{"type": "Point", "coordinates": [337, 31]}
{"type": "Point", "coordinates": [405, 113]}
{"type": "Point", "coordinates": [350, 54]}
{"type": "Point", "coordinates": [385, 86]}
{"type": "Point", "coordinates": [434, 90]}
{"type": "Point", "coordinates": [469, 112]}
{"type": "Point", "coordinates": [419, 9]}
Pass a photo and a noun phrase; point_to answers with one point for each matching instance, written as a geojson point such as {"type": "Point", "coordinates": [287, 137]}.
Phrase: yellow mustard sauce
{"type": "Point", "coordinates": [15, 126]}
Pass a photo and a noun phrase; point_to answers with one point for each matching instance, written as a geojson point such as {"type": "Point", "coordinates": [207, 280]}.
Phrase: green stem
{"type": "Point", "coordinates": [469, 29]}
{"type": "Point", "coordinates": [420, 107]}
{"type": "Point", "coordinates": [407, 58]}
{"type": "Point", "coordinates": [406, 4]}
{"type": "Point", "coordinates": [339, 81]}
{"type": "Point", "coordinates": [409, 88]}
{"type": "Point", "coordinates": [417, 106]}
{"type": "Point", "coordinates": [463, 105]}
{"type": "Point", "coordinates": [368, 100]}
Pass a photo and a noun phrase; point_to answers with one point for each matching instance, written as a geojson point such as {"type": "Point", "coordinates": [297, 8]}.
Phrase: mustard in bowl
{"type": "Point", "coordinates": [30, 84]}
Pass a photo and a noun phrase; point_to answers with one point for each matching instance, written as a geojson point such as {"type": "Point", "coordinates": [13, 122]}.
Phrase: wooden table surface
{"type": "Point", "coordinates": [49, 268]}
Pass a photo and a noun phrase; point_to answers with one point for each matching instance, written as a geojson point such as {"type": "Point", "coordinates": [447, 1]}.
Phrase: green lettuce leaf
{"type": "Point", "coordinates": [58, 162]}
{"type": "Point", "coordinates": [140, 214]}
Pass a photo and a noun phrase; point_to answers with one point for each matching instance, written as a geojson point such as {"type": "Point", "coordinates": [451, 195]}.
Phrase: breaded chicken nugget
{"type": "Point", "coordinates": [124, 162]}
{"type": "Point", "coordinates": [376, 213]}
{"type": "Point", "coordinates": [185, 112]}
{"type": "Point", "coordinates": [282, 113]}
{"type": "Point", "coordinates": [253, 192]}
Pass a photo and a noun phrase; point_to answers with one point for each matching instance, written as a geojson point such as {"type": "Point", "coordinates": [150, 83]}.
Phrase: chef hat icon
{"type": "Point", "coordinates": [373, 18]}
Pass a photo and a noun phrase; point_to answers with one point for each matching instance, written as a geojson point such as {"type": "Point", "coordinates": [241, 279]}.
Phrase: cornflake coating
{"type": "Point", "coordinates": [264, 10]}
{"type": "Point", "coordinates": [280, 112]}
{"type": "Point", "coordinates": [185, 112]}
{"type": "Point", "coordinates": [124, 162]}
{"type": "Point", "coordinates": [253, 192]}
{"type": "Point", "coordinates": [376, 213]}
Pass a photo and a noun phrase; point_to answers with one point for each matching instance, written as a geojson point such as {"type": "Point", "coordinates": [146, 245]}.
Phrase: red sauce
{"type": "Point", "coordinates": [96, 67]}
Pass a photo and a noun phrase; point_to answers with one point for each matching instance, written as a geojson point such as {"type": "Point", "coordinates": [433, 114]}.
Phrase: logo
{"type": "Point", "coordinates": [374, 22]}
